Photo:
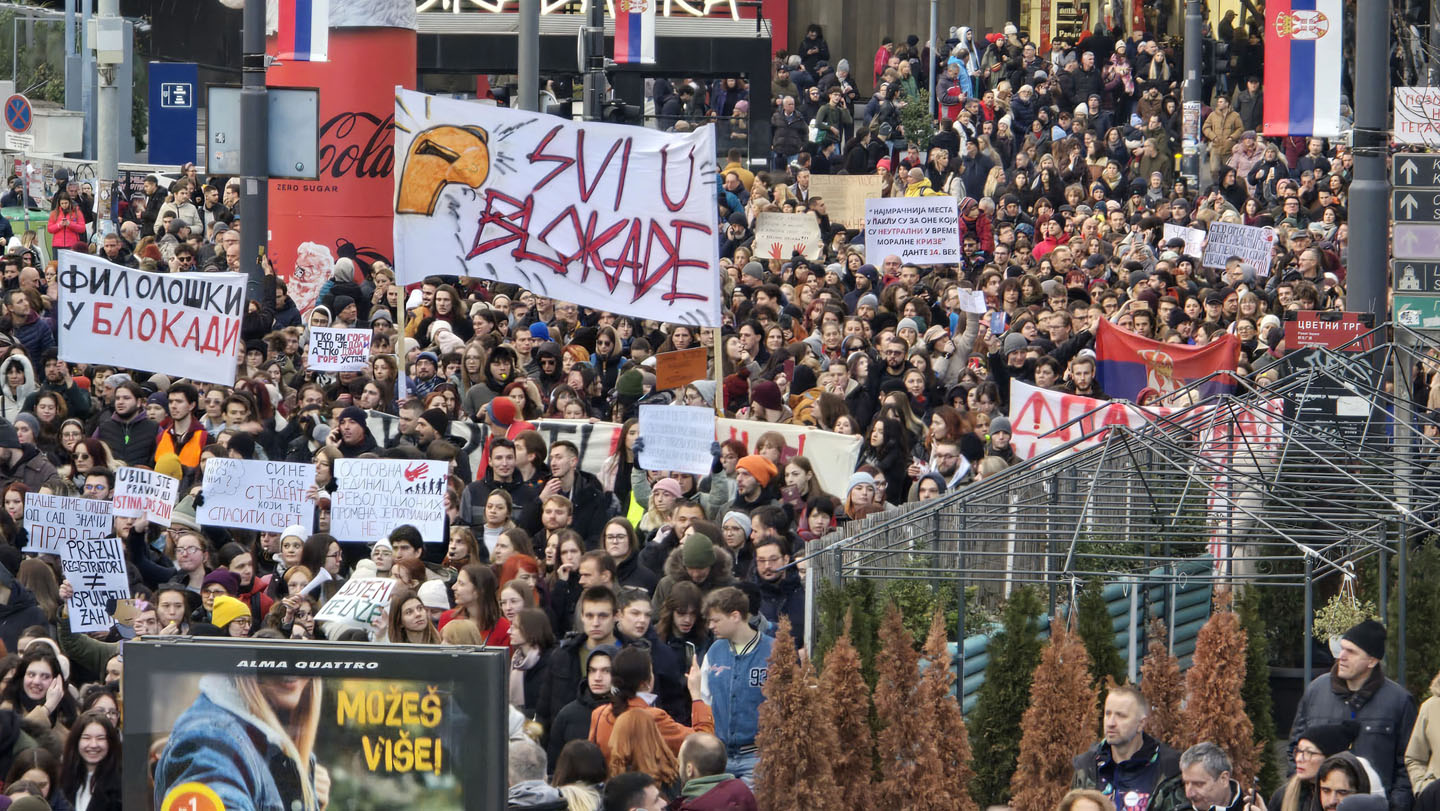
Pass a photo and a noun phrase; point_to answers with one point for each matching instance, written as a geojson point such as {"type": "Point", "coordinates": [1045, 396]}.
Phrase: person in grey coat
{"type": "Point", "coordinates": [1356, 689]}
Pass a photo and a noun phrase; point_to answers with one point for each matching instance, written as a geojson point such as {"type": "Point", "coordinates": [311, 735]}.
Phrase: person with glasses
{"type": "Point", "coordinates": [1310, 751]}
{"type": "Point", "coordinates": [192, 558]}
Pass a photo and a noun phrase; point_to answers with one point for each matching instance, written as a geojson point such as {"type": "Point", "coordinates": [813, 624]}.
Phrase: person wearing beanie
{"type": "Point", "coordinates": [355, 437]}
{"type": "Point", "coordinates": [999, 445]}
{"type": "Point", "coordinates": [767, 404]}
{"type": "Point", "coordinates": [1357, 689]}
{"type": "Point", "coordinates": [737, 390]}
{"type": "Point", "coordinates": [753, 274]}
{"type": "Point", "coordinates": [753, 476]}
{"type": "Point", "coordinates": [433, 425]}
{"type": "Point", "coordinates": [231, 616]}
{"type": "Point", "coordinates": [704, 390]}
{"type": "Point", "coordinates": [1319, 743]}
{"type": "Point", "coordinates": [630, 384]}
{"type": "Point", "coordinates": [698, 559]}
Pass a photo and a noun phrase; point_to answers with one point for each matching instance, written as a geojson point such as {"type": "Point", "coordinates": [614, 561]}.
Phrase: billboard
{"type": "Point", "coordinates": [213, 723]}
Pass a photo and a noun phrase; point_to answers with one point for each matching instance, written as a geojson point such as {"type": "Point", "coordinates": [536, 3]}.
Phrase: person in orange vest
{"type": "Point", "coordinates": [182, 434]}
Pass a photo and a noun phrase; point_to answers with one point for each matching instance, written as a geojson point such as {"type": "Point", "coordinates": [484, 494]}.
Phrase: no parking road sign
{"type": "Point", "coordinates": [18, 115]}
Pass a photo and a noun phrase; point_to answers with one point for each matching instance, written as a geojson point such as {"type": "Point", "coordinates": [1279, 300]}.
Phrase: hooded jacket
{"type": "Point", "coordinates": [717, 792]}
{"type": "Point", "coordinates": [537, 795]}
{"type": "Point", "coordinates": [675, 573]}
{"type": "Point", "coordinates": [13, 398]}
{"type": "Point", "coordinates": [572, 723]}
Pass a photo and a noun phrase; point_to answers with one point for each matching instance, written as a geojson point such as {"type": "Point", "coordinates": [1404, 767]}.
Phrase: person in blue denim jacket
{"type": "Point", "coordinates": [249, 740]}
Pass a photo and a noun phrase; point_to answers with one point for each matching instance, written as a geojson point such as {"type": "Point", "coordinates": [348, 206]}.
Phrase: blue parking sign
{"type": "Point", "coordinates": [174, 118]}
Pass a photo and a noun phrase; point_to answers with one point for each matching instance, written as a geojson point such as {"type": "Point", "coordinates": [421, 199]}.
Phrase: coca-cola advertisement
{"type": "Point", "coordinates": [347, 210]}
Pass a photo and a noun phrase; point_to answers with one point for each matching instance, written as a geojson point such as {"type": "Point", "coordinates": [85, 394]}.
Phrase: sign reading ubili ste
{"type": "Point", "coordinates": [617, 218]}
{"type": "Point", "coordinates": [186, 324]}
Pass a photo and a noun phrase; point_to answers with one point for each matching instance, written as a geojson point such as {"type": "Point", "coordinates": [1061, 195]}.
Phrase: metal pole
{"type": "Point", "coordinates": [1309, 617]}
{"type": "Point", "coordinates": [254, 145]}
{"type": "Point", "coordinates": [107, 147]}
{"type": "Point", "coordinates": [933, 67]}
{"type": "Point", "coordinates": [960, 642]}
{"type": "Point", "coordinates": [529, 67]}
{"type": "Point", "coordinates": [594, 93]}
{"type": "Point", "coordinates": [1193, 88]}
{"type": "Point", "coordinates": [1369, 193]}
{"type": "Point", "coordinates": [72, 58]}
{"type": "Point", "coordinates": [1404, 443]}
{"type": "Point", "coordinates": [87, 78]}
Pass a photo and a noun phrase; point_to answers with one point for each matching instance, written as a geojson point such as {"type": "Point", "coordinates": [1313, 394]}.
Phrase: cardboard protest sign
{"type": "Point", "coordinates": [923, 230]}
{"type": "Point", "coordinates": [1254, 246]}
{"type": "Point", "coordinates": [338, 350]}
{"type": "Point", "coordinates": [377, 495]}
{"type": "Point", "coordinates": [779, 236]}
{"type": "Point", "coordinates": [1194, 237]}
{"type": "Point", "coordinates": [677, 438]}
{"type": "Point", "coordinates": [95, 568]}
{"type": "Point", "coordinates": [187, 324]}
{"type": "Point", "coordinates": [53, 521]}
{"type": "Point", "coordinates": [833, 455]}
{"type": "Point", "coordinates": [144, 492]}
{"type": "Point", "coordinates": [845, 196]}
{"type": "Point", "coordinates": [608, 216]}
{"type": "Point", "coordinates": [358, 602]}
{"type": "Point", "coordinates": [681, 367]}
{"type": "Point", "coordinates": [266, 496]}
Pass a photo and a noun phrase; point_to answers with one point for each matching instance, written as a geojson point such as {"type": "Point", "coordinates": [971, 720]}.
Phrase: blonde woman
{"type": "Point", "coordinates": [250, 740]}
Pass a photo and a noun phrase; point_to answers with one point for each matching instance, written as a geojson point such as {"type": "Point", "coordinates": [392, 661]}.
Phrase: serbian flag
{"type": "Point", "coordinates": [304, 30]}
{"type": "Point", "coordinates": [635, 32]}
{"type": "Point", "coordinates": [1128, 363]}
{"type": "Point", "coordinates": [1302, 67]}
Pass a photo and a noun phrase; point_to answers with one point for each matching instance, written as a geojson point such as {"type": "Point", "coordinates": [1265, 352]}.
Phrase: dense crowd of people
{"type": "Point", "coordinates": [639, 606]}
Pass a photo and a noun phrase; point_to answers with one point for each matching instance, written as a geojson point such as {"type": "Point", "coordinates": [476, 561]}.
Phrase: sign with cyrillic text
{"type": "Point", "coordinates": [677, 438]}
{"type": "Point", "coordinates": [606, 216]}
{"type": "Point", "coordinates": [53, 521]}
{"type": "Point", "coordinates": [1255, 246]}
{"type": "Point", "coordinates": [377, 495]}
{"type": "Point", "coordinates": [923, 230]}
{"type": "Point", "coordinates": [338, 350]}
{"type": "Point", "coordinates": [258, 495]}
{"type": "Point", "coordinates": [182, 324]}
{"type": "Point", "coordinates": [95, 568]}
{"type": "Point", "coordinates": [144, 492]}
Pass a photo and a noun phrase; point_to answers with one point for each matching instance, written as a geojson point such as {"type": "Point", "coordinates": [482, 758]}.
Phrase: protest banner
{"type": "Point", "coordinates": [51, 522]}
{"type": "Point", "coordinates": [1042, 419]}
{"type": "Point", "coordinates": [1194, 238]}
{"type": "Point", "coordinates": [422, 726]}
{"type": "Point", "coordinates": [338, 350]}
{"type": "Point", "coordinates": [681, 367]}
{"type": "Point", "coordinates": [1255, 246]}
{"type": "Point", "coordinates": [358, 602]}
{"type": "Point", "coordinates": [677, 438]}
{"type": "Point", "coordinates": [377, 495]}
{"type": "Point", "coordinates": [95, 568]}
{"type": "Point", "coordinates": [845, 196]}
{"type": "Point", "coordinates": [780, 236]}
{"type": "Point", "coordinates": [259, 495]}
{"type": "Point", "coordinates": [833, 455]}
{"type": "Point", "coordinates": [607, 216]}
{"type": "Point", "coordinates": [187, 324]}
{"type": "Point", "coordinates": [1127, 363]}
{"type": "Point", "coordinates": [144, 492]}
{"type": "Point", "coordinates": [923, 230]}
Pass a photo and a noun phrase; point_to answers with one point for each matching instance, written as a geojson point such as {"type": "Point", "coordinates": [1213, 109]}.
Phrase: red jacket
{"type": "Point", "coordinates": [67, 230]}
{"type": "Point", "coordinates": [729, 795]}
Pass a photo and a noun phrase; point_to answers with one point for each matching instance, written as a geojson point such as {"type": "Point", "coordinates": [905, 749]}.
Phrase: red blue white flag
{"type": "Point", "coordinates": [635, 31]}
{"type": "Point", "coordinates": [304, 30]}
{"type": "Point", "coordinates": [1127, 363]}
{"type": "Point", "coordinates": [1303, 61]}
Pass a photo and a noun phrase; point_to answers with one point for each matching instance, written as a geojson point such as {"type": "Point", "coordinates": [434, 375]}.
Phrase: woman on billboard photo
{"type": "Point", "coordinates": [249, 742]}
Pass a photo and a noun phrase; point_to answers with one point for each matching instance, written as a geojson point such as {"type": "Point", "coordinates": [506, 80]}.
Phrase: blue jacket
{"type": "Point", "coordinates": [732, 685]}
{"type": "Point", "coordinates": [219, 744]}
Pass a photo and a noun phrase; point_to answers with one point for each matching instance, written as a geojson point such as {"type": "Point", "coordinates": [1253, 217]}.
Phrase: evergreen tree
{"type": "Point", "coordinates": [849, 696]}
{"type": "Point", "coordinates": [1214, 708]}
{"type": "Point", "coordinates": [797, 729]}
{"type": "Point", "coordinates": [1256, 693]}
{"type": "Point", "coordinates": [951, 737]}
{"type": "Point", "coordinates": [911, 773]}
{"type": "Point", "coordinates": [1098, 632]}
{"type": "Point", "coordinates": [1001, 703]}
{"type": "Point", "coordinates": [1059, 722]}
{"type": "Point", "coordinates": [855, 603]}
{"type": "Point", "coordinates": [1163, 687]}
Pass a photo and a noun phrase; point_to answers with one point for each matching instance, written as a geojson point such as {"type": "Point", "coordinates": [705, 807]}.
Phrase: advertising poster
{"type": "Point", "coordinates": [215, 724]}
{"type": "Point", "coordinates": [607, 216]}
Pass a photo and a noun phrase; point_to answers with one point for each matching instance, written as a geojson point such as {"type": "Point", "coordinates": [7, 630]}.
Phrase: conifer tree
{"type": "Point", "coordinates": [1214, 708]}
{"type": "Point", "coordinates": [1098, 631]}
{"type": "Point", "coordinates": [1163, 687]}
{"type": "Point", "coordinates": [1259, 704]}
{"type": "Point", "coordinates": [849, 695]}
{"type": "Point", "coordinates": [1059, 722]}
{"type": "Point", "coordinates": [797, 729]}
{"type": "Point", "coordinates": [1002, 699]}
{"type": "Point", "coordinates": [951, 737]}
{"type": "Point", "coordinates": [911, 776]}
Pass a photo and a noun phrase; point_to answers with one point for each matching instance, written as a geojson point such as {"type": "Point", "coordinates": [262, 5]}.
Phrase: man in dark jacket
{"type": "Point", "coordinates": [1356, 689]}
{"type": "Point", "coordinates": [355, 438]}
{"type": "Point", "coordinates": [707, 786]}
{"type": "Point", "coordinates": [788, 131]}
{"type": "Point", "coordinates": [18, 608]}
{"type": "Point", "coordinates": [633, 628]}
{"type": "Point", "coordinates": [21, 463]}
{"type": "Point", "coordinates": [129, 434]}
{"type": "Point", "coordinates": [591, 504]}
{"type": "Point", "coordinates": [572, 723]}
{"type": "Point", "coordinates": [500, 474]}
{"type": "Point", "coordinates": [32, 331]}
{"type": "Point", "coordinates": [782, 592]}
{"type": "Point", "coordinates": [563, 668]}
{"type": "Point", "coordinates": [1127, 765]}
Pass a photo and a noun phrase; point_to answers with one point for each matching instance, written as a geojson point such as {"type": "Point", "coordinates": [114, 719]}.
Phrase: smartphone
{"type": "Point", "coordinates": [997, 323]}
{"type": "Point", "coordinates": [689, 655]}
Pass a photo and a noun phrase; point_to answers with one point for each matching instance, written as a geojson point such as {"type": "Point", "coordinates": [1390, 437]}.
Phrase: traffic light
{"type": "Point", "coordinates": [1220, 58]}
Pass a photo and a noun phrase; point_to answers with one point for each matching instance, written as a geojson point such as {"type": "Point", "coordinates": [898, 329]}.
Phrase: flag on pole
{"type": "Point", "coordinates": [304, 30]}
{"type": "Point", "coordinates": [635, 32]}
{"type": "Point", "coordinates": [1127, 363]}
{"type": "Point", "coordinates": [1302, 67]}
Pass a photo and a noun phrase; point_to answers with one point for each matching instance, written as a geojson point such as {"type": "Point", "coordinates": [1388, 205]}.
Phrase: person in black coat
{"type": "Point", "coordinates": [572, 723]}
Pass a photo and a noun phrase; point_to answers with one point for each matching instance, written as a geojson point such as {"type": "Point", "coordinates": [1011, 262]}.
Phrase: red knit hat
{"type": "Point", "coordinates": [502, 410]}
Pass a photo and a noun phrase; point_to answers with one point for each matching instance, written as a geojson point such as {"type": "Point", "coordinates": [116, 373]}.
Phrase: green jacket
{"type": "Point", "coordinates": [85, 651]}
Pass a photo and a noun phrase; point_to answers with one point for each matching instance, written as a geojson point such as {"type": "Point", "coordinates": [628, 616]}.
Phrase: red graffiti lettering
{"type": "Point", "coordinates": [665, 178]}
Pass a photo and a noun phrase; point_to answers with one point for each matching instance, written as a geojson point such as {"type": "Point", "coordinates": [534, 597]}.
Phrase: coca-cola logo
{"type": "Point", "coordinates": [357, 145]}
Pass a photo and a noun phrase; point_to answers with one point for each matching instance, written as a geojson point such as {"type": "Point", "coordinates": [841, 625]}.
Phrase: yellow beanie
{"type": "Point", "coordinates": [227, 609]}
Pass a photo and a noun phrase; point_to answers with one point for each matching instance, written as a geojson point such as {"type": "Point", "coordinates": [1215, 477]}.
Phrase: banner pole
{"type": "Point", "coordinates": [719, 348]}
{"type": "Point", "coordinates": [400, 352]}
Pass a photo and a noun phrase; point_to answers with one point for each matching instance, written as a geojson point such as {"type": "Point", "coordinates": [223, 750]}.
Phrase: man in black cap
{"type": "Point", "coordinates": [354, 435]}
{"type": "Point", "coordinates": [432, 425]}
{"type": "Point", "coordinates": [1356, 689]}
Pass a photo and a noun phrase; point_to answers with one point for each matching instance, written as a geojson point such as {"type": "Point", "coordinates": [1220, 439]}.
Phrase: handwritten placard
{"type": "Point", "coordinates": [677, 438]}
{"type": "Point", "coordinates": [266, 496]}
{"type": "Point", "coordinates": [338, 350]}
{"type": "Point", "coordinates": [358, 602]}
{"type": "Point", "coordinates": [923, 230]}
{"type": "Point", "coordinates": [95, 569]}
{"type": "Point", "coordinates": [780, 236]}
{"type": "Point", "coordinates": [144, 492]}
{"type": "Point", "coordinates": [845, 196]}
{"type": "Point", "coordinates": [377, 495]}
{"type": "Point", "coordinates": [53, 521]}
